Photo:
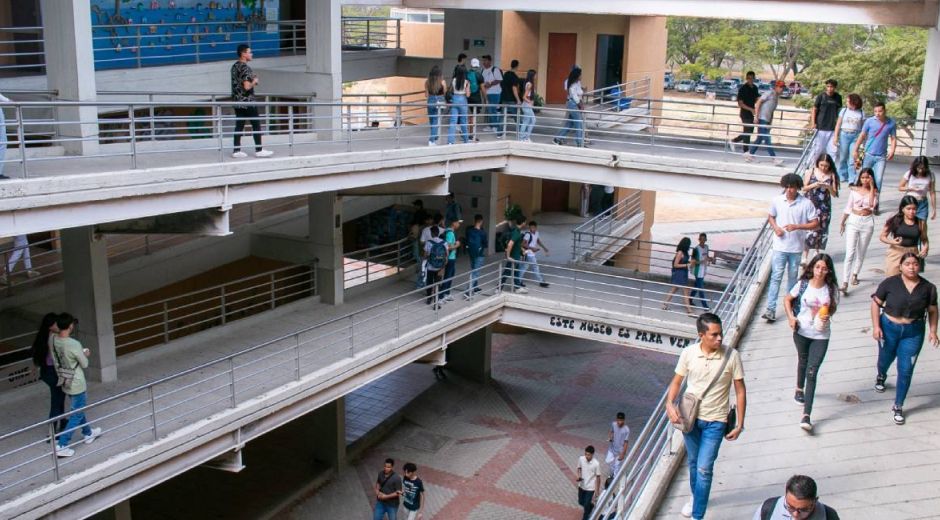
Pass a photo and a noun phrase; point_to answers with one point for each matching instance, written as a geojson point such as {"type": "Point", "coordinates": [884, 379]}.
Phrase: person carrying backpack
{"type": "Point", "coordinates": [435, 253]}
{"type": "Point", "coordinates": [477, 98]}
{"type": "Point", "coordinates": [799, 503]}
{"type": "Point", "coordinates": [450, 268]}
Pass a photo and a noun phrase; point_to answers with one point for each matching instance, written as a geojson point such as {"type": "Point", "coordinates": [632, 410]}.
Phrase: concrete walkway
{"type": "Point", "coordinates": [866, 466]}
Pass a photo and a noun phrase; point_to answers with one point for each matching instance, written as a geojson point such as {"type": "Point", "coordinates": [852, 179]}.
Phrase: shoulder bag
{"type": "Point", "coordinates": [688, 402]}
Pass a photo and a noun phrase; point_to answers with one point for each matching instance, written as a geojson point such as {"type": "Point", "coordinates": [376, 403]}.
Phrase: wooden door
{"type": "Point", "coordinates": [554, 195]}
{"type": "Point", "coordinates": [562, 54]}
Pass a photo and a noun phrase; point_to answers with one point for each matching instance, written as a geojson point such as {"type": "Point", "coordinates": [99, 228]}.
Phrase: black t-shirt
{"type": "Point", "coordinates": [241, 73]}
{"type": "Point", "coordinates": [899, 303]}
{"type": "Point", "coordinates": [510, 79]}
{"type": "Point", "coordinates": [748, 94]}
{"type": "Point", "coordinates": [389, 485]}
{"type": "Point", "coordinates": [827, 111]}
{"type": "Point", "coordinates": [411, 493]}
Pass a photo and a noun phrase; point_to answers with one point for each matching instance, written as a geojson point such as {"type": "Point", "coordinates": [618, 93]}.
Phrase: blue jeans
{"type": "Point", "coordinates": [512, 269]}
{"type": "Point", "coordinates": [781, 261]}
{"type": "Point", "coordinates": [475, 264]}
{"type": "Point", "coordinates": [902, 342]}
{"type": "Point", "coordinates": [493, 110]}
{"type": "Point", "coordinates": [702, 298]}
{"type": "Point", "coordinates": [449, 270]}
{"type": "Point", "coordinates": [458, 114]}
{"type": "Point", "coordinates": [701, 450]}
{"type": "Point", "coordinates": [531, 262]}
{"type": "Point", "coordinates": [528, 122]}
{"type": "Point", "coordinates": [574, 121]}
{"type": "Point", "coordinates": [763, 138]}
{"type": "Point", "coordinates": [76, 419]}
{"type": "Point", "coordinates": [845, 164]}
{"type": "Point", "coordinates": [511, 109]}
{"type": "Point", "coordinates": [434, 116]}
{"type": "Point", "coordinates": [382, 509]}
{"type": "Point", "coordinates": [877, 164]}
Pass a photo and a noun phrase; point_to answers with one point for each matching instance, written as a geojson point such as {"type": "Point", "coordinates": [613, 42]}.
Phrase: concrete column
{"type": "Point", "coordinates": [70, 69]}
{"type": "Point", "coordinates": [326, 237]}
{"type": "Point", "coordinates": [471, 356]}
{"type": "Point", "coordinates": [464, 29]}
{"type": "Point", "coordinates": [88, 298]}
{"type": "Point", "coordinates": [478, 192]}
{"type": "Point", "coordinates": [638, 255]}
{"type": "Point", "coordinates": [328, 435]}
{"type": "Point", "coordinates": [324, 64]}
{"type": "Point", "coordinates": [644, 53]}
{"type": "Point", "coordinates": [930, 84]}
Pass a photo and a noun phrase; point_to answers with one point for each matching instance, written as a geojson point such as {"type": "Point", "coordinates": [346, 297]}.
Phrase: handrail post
{"type": "Point", "coordinates": [231, 378]}
{"type": "Point", "coordinates": [398, 259]}
{"type": "Point", "coordinates": [640, 305]}
{"type": "Point", "coordinates": [153, 413]}
{"type": "Point", "coordinates": [196, 40]}
{"type": "Point", "coordinates": [348, 127]}
{"type": "Point", "coordinates": [273, 297]}
{"type": "Point", "coordinates": [166, 322]}
{"type": "Point", "coordinates": [21, 137]}
{"type": "Point", "coordinates": [139, 49]}
{"type": "Point", "coordinates": [367, 266]}
{"type": "Point", "coordinates": [222, 303]}
{"type": "Point", "coordinates": [221, 132]}
{"type": "Point", "coordinates": [290, 130]}
{"type": "Point", "coordinates": [52, 446]}
{"type": "Point", "coordinates": [352, 336]}
{"type": "Point", "coordinates": [153, 124]}
{"type": "Point", "coordinates": [297, 358]}
{"type": "Point", "coordinates": [398, 33]}
{"type": "Point", "coordinates": [398, 125]}
{"type": "Point", "coordinates": [368, 34]}
{"type": "Point", "coordinates": [133, 130]}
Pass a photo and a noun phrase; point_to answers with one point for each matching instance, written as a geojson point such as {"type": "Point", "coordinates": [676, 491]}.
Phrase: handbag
{"type": "Point", "coordinates": [65, 375]}
{"type": "Point", "coordinates": [688, 402]}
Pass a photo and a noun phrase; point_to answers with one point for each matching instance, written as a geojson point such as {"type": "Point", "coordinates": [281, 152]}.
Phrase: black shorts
{"type": "Point", "coordinates": [475, 99]}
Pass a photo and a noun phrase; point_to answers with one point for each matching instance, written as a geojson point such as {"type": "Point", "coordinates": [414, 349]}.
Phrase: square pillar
{"type": "Point", "coordinates": [324, 64]}
{"type": "Point", "coordinates": [325, 233]}
{"type": "Point", "coordinates": [930, 87]}
{"type": "Point", "coordinates": [70, 69]}
{"type": "Point", "coordinates": [328, 433]}
{"type": "Point", "coordinates": [88, 298]}
{"type": "Point", "coordinates": [471, 356]}
{"type": "Point", "coordinates": [644, 54]}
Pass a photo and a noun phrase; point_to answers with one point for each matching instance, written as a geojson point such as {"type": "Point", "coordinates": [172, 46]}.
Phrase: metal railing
{"type": "Point", "coordinates": [620, 97]}
{"type": "Point", "coordinates": [136, 417]}
{"type": "Point", "coordinates": [609, 231]}
{"type": "Point", "coordinates": [371, 33]}
{"type": "Point", "coordinates": [376, 262]}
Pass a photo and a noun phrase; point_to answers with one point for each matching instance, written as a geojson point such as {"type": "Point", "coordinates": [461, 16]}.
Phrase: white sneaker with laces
{"type": "Point", "coordinates": [239, 155]}
{"type": "Point", "coordinates": [95, 433]}
{"type": "Point", "coordinates": [521, 290]}
{"type": "Point", "coordinates": [687, 509]}
{"type": "Point", "coordinates": [432, 143]}
{"type": "Point", "coordinates": [264, 153]}
{"type": "Point", "coordinates": [64, 451]}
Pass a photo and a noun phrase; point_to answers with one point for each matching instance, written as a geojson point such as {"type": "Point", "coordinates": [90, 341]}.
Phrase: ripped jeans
{"type": "Point", "coordinates": [901, 342]}
{"type": "Point", "coordinates": [701, 448]}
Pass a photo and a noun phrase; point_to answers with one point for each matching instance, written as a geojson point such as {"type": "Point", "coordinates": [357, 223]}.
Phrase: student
{"type": "Point", "coordinates": [846, 132]}
{"type": "Point", "coordinates": [477, 98]}
{"type": "Point", "coordinates": [858, 225]}
{"type": "Point", "coordinates": [680, 274]}
{"type": "Point", "coordinates": [458, 106]}
{"type": "Point", "coordinates": [477, 245]}
{"type": "Point", "coordinates": [877, 132]}
{"type": "Point", "coordinates": [531, 246]}
{"type": "Point", "coordinates": [574, 120]}
{"type": "Point", "coordinates": [920, 184]}
{"type": "Point", "coordinates": [452, 209]}
{"type": "Point", "coordinates": [904, 233]}
{"type": "Point", "coordinates": [42, 358]}
{"type": "Point", "coordinates": [822, 118]}
{"type": "Point", "coordinates": [809, 307]}
{"type": "Point", "coordinates": [528, 114]}
{"type": "Point", "coordinates": [747, 96]}
{"type": "Point", "coordinates": [244, 81]}
{"type": "Point", "coordinates": [388, 489]}
{"type": "Point", "coordinates": [511, 95]}
{"type": "Point", "coordinates": [820, 185]}
{"type": "Point", "coordinates": [700, 261]}
{"type": "Point", "coordinates": [513, 257]}
{"type": "Point", "coordinates": [435, 252]}
{"type": "Point", "coordinates": [618, 437]}
{"type": "Point", "coordinates": [492, 83]}
{"type": "Point", "coordinates": [799, 503]}
{"type": "Point", "coordinates": [434, 88]}
{"type": "Point", "coordinates": [589, 481]}
{"type": "Point", "coordinates": [450, 268]}
{"type": "Point", "coordinates": [765, 108]}
{"type": "Point", "coordinates": [70, 361]}
{"type": "Point", "coordinates": [412, 492]}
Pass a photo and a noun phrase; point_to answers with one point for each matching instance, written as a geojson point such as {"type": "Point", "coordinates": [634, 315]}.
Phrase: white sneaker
{"type": "Point", "coordinates": [687, 509]}
{"type": "Point", "coordinates": [239, 155]}
{"type": "Point", "coordinates": [264, 153]}
{"type": "Point", "coordinates": [33, 274]}
{"type": "Point", "coordinates": [432, 143]}
{"type": "Point", "coordinates": [748, 157]}
{"type": "Point", "coordinates": [95, 433]}
{"type": "Point", "coordinates": [64, 451]}
{"type": "Point", "coordinates": [521, 290]}
{"type": "Point", "coordinates": [778, 162]}
{"type": "Point", "coordinates": [448, 298]}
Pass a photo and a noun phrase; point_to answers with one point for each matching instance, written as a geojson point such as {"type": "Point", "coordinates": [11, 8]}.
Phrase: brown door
{"type": "Point", "coordinates": [562, 49]}
{"type": "Point", "coordinates": [554, 195]}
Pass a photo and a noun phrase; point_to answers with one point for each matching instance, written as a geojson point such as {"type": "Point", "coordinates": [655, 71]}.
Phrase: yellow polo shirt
{"type": "Point", "coordinates": [699, 370]}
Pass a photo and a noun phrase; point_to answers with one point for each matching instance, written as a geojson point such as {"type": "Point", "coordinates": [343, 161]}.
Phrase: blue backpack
{"type": "Point", "coordinates": [474, 81]}
{"type": "Point", "coordinates": [437, 256]}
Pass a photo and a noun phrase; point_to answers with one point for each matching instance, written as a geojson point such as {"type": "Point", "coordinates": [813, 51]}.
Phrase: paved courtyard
{"type": "Point", "coordinates": [507, 450]}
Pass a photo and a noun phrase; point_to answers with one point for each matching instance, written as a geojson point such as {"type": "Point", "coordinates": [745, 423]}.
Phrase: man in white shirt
{"type": "Point", "coordinates": [790, 217]}
{"type": "Point", "coordinates": [617, 437]}
{"type": "Point", "coordinates": [492, 80]}
{"type": "Point", "coordinates": [589, 481]}
{"type": "Point", "coordinates": [531, 246]}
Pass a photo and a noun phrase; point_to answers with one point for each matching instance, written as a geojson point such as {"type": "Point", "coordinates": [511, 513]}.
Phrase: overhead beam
{"type": "Point", "coordinates": [207, 222]}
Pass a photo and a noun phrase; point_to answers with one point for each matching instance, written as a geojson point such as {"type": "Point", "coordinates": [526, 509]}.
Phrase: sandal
{"type": "Point", "coordinates": [845, 288]}
{"type": "Point", "coordinates": [854, 280]}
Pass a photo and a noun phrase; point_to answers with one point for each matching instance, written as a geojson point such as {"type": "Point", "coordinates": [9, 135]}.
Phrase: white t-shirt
{"type": "Point", "coordinates": [575, 92]}
{"type": "Point", "coordinates": [425, 235]}
{"type": "Point", "coordinates": [852, 120]}
{"type": "Point", "coordinates": [918, 186]}
{"type": "Point", "coordinates": [533, 238]}
{"type": "Point", "coordinates": [493, 74]}
{"type": "Point", "coordinates": [810, 303]}
{"type": "Point", "coordinates": [800, 211]}
{"type": "Point", "coordinates": [701, 268]}
{"type": "Point", "coordinates": [589, 473]}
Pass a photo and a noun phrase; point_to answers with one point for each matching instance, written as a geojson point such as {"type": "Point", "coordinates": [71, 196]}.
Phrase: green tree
{"type": "Point", "coordinates": [683, 36]}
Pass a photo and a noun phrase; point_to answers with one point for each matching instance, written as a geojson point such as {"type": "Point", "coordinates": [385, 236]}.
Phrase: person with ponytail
{"type": "Point", "coordinates": [904, 233]}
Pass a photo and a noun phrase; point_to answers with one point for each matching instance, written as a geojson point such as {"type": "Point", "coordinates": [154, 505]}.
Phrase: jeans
{"type": "Point", "coordinates": [430, 278]}
{"type": "Point", "coordinates": [858, 232]}
{"type": "Point", "coordinates": [57, 396]}
{"type": "Point", "coordinates": [458, 114]}
{"type": "Point", "coordinates": [531, 263]}
{"type": "Point", "coordinates": [585, 501]}
{"type": "Point", "coordinates": [810, 354]}
{"type": "Point", "coordinates": [701, 450]}
{"type": "Point", "coordinates": [822, 143]}
{"type": "Point", "coordinates": [781, 261]}
{"type": "Point", "coordinates": [902, 342]}
{"type": "Point", "coordinates": [512, 269]}
{"type": "Point", "coordinates": [476, 262]}
{"type": "Point", "coordinates": [449, 271]}
{"type": "Point", "coordinates": [434, 116]}
{"type": "Point", "coordinates": [845, 163]}
{"type": "Point", "coordinates": [495, 118]}
{"type": "Point", "coordinates": [575, 121]}
{"type": "Point", "coordinates": [702, 298]}
{"type": "Point", "coordinates": [511, 109]}
{"type": "Point", "coordinates": [382, 509]}
{"type": "Point", "coordinates": [20, 250]}
{"type": "Point", "coordinates": [243, 115]}
{"type": "Point", "coordinates": [763, 138]}
{"type": "Point", "coordinates": [528, 122]}
{"type": "Point", "coordinates": [877, 164]}
{"type": "Point", "coordinates": [747, 120]}
{"type": "Point", "coordinates": [75, 420]}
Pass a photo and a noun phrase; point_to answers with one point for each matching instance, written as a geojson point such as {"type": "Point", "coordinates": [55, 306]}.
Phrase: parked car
{"type": "Point", "coordinates": [686, 85]}
{"type": "Point", "coordinates": [725, 90]}
{"type": "Point", "coordinates": [763, 87]}
{"type": "Point", "coordinates": [795, 87]}
{"type": "Point", "coordinates": [786, 93]}
{"type": "Point", "coordinates": [702, 87]}
{"type": "Point", "coordinates": [669, 82]}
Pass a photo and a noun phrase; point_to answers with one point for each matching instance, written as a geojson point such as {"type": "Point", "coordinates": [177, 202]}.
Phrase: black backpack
{"type": "Point", "coordinates": [768, 508]}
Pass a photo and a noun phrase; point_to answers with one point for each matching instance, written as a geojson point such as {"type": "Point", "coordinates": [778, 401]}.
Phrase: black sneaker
{"type": "Point", "coordinates": [880, 383]}
{"type": "Point", "coordinates": [799, 397]}
{"type": "Point", "coordinates": [898, 415]}
{"type": "Point", "coordinates": [543, 284]}
{"type": "Point", "coordinates": [806, 424]}
{"type": "Point", "coordinates": [769, 315]}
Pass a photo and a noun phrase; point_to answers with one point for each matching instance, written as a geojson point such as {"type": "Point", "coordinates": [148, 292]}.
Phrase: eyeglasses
{"type": "Point", "coordinates": [799, 511]}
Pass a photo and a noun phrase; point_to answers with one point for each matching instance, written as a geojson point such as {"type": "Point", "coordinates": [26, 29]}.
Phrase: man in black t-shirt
{"type": "Point", "coordinates": [823, 116]}
{"type": "Point", "coordinates": [387, 492]}
{"type": "Point", "coordinates": [244, 81]}
{"type": "Point", "coordinates": [511, 97]}
{"type": "Point", "coordinates": [747, 98]}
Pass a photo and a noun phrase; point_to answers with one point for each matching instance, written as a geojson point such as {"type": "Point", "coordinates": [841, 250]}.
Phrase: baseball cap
{"type": "Point", "coordinates": [474, 62]}
{"type": "Point", "coordinates": [779, 83]}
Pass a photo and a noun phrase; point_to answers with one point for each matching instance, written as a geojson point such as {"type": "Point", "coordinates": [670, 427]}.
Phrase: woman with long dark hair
{"type": "Point", "coordinates": [858, 225]}
{"type": "Point", "coordinates": [820, 185]}
{"type": "Point", "coordinates": [809, 306]}
{"type": "Point", "coordinates": [919, 183]}
{"type": "Point", "coordinates": [434, 88]}
{"type": "Point", "coordinates": [42, 358]}
{"type": "Point", "coordinates": [680, 274]}
{"type": "Point", "coordinates": [528, 114]}
{"type": "Point", "coordinates": [574, 120]}
{"type": "Point", "coordinates": [458, 106]}
{"type": "Point", "coordinates": [904, 233]}
{"type": "Point", "coordinates": [898, 311]}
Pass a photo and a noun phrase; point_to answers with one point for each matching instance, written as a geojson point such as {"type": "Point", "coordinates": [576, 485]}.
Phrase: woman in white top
{"type": "Point", "coordinates": [919, 183]}
{"type": "Point", "coordinates": [458, 106]}
{"type": "Point", "coordinates": [574, 119]}
{"type": "Point", "coordinates": [434, 89]}
{"type": "Point", "coordinates": [848, 126]}
{"type": "Point", "coordinates": [810, 305]}
{"type": "Point", "coordinates": [528, 115]}
{"type": "Point", "coordinates": [858, 225]}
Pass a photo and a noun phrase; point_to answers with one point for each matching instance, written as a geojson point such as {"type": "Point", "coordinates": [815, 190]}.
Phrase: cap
{"type": "Point", "coordinates": [474, 62]}
{"type": "Point", "coordinates": [779, 83]}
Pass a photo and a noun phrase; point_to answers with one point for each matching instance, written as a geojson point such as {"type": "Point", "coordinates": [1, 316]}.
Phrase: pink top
{"type": "Point", "coordinates": [859, 201]}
